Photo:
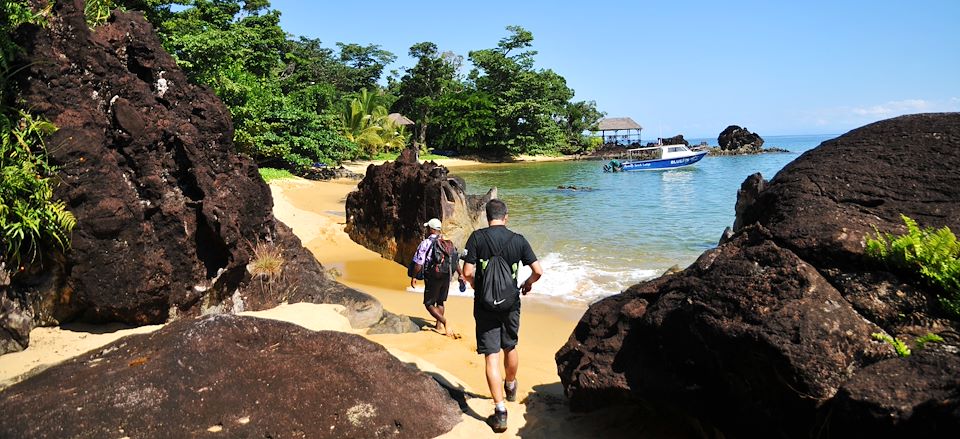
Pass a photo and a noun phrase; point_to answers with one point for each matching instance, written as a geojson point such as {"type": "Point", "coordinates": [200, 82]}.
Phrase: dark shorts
{"type": "Point", "coordinates": [496, 330]}
{"type": "Point", "coordinates": [435, 291]}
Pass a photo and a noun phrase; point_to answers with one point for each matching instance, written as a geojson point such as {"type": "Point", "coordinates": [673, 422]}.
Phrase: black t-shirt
{"type": "Point", "coordinates": [513, 246]}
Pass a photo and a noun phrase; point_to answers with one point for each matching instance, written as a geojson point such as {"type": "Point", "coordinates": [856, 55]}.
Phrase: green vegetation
{"type": "Point", "coordinates": [295, 103]}
{"type": "Point", "coordinates": [933, 255]}
{"type": "Point", "coordinates": [901, 347]}
{"type": "Point", "coordinates": [270, 174]}
{"type": "Point", "coordinates": [365, 123]}
{"type": "Point", "coordinates": [30, 220]}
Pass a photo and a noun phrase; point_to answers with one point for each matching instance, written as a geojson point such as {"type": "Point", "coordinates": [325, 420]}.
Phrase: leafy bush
{"type": "Point", "coordinates": [934, 255]}
{"type": "Point", "coordinates": [29, 217]}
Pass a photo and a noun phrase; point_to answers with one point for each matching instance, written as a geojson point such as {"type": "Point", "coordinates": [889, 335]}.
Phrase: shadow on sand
{"type": "Point", "coordinates": [549, 416]}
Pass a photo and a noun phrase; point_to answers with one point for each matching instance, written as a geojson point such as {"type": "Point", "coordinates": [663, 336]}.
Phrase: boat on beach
{"type": "Point", "coordinates": [654, 157]}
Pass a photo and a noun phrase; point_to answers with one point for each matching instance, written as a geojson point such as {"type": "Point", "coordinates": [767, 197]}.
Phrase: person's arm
{"type": "Point", "coordinates": [469, 270]}
{"type": "Point", "coordinates": [537, 271]}
{"type": "Point", "coordinates": [529, 258]}
{"type": "Point", "coordinates": [470, 259]}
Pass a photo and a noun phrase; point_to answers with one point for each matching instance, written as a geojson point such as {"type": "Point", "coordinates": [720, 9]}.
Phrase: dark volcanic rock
{"type": "Point", "coordinates": [824, 203]}
{"type": "Point", "coordinates": [917, 396]}
{"type": "Point", "coordinates": [233, 377]}
{"type": "Point", "coordinates": [16, 319]}
{"type": "Point", "coordinates": [168, 213]}
{"type": "Point", "coordinates": [304, 280]}
{"type": "Point", "coordinates": [387, 211]}
{"type": "Point", "coordinates": [675, 140]}
{"type": "Point", "coordinates": [736, 138]}
{"type": "Point", "coordinates": [770, 334]}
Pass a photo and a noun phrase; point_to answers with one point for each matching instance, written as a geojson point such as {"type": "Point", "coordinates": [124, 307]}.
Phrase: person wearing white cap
{"type": "Point", "coordinates": [437, 274]}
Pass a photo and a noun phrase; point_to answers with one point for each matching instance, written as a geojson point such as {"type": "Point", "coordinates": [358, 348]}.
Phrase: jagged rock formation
{"type": "Point", "coordinates": [387, 211]}
{"type": "Point", "coordinates": [770, 334]}
{"type": "Point", "coordinates": [168, 214]}
{"type": "Point", "coordinates": [230, 376]}
{"type": "Point", "coordinates": [739, 139]}
{"type": "Point", "coordinates": [328, 173]}
{"type": "Point", "coordinates": [675, 140]}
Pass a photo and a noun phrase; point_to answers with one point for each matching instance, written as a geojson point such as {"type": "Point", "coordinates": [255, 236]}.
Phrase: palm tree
{"type": "Point", "coordinates": [366, 123]}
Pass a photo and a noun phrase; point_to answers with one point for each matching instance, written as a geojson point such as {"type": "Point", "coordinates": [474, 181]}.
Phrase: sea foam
{"type": "Point", "coordinates": [574, 281]}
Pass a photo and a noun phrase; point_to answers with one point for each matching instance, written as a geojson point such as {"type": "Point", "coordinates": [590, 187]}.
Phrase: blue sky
{"type": "Point", "coordinates": [692, 67]}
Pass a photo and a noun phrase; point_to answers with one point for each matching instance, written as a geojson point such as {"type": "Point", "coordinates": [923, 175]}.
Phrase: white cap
{"type": "Point", "coordinates": [433, 224]}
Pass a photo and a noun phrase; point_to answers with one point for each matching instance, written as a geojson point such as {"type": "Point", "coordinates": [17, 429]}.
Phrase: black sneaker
{"type": "Point", "coordinates": [498, 421]}
{"type": "Point", "coordinates": [511, 394]}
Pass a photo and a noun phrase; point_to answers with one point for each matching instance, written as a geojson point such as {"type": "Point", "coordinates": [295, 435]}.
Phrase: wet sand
{"type": "Point", "coordinates": [306, 207]}
{"type": "Point", "coordinates": [315, 211]}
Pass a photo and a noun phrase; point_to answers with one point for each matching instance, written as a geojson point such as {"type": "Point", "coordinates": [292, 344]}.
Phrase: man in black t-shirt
{"type": "Point", "coordinates": [498, 331]}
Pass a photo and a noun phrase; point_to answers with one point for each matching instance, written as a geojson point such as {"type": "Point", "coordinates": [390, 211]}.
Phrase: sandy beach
{"type": "Point", "coordinates": [315, 211]}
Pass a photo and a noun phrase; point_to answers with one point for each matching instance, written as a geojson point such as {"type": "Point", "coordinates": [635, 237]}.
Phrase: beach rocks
{"type": "Point", "coordinates": [675, 140]}
{"type": "Point", "coordinates": [387, 211]}
{"type": "Point", "coordinates": [169, 215]}
{"type": "Point", "coordinates": [736, 138]}
{"type": "Point", "coordinates": [230, 376]}
{"type": "Point", "coordinates": [771, 333]}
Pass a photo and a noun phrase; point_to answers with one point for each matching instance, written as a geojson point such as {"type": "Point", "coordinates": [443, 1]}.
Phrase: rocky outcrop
{"type": "Point", "coordinates": [230, 376]}
{"type": "Point", "coordinates": [734, 138]}
{"type": "Point", "coordinates": [168, 213]}
{"type": "Point", "coordinates": [387, 211]}
{"type": "Point", "coordinates": [675, 140]}
{"type": "Point", "coordinates": [16, 319]}
{"type": "Point", "coordinates": [770, 334]}
{"type": "Point", "coordinates": [330, 173]}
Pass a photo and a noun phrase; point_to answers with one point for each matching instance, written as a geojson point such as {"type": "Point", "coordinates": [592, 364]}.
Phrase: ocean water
{"type": "Point", "coordinates": [622, 228]}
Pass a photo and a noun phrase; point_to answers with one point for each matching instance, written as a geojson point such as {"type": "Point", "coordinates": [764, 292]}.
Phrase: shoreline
{"type": "Point", "coordinates": [315, 212]}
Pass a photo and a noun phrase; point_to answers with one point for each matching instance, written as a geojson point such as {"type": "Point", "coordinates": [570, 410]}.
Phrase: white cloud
{"type": "Point", "coordinates": [895, 108]}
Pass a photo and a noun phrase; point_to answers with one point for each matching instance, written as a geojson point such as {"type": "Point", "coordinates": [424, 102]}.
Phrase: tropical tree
{"type": "Point", "coordinates": [463, 121]}
{"type": "Point", "coordinates": [423, 84]}
{"type": "Point", "coordinates": [579, 117]}
{"type": "Point", "coordinates": [367, 123]}
{"type": "Point", "coordinates": [529, 103]}
{"type": "Point", "coordinates": [366, 62]}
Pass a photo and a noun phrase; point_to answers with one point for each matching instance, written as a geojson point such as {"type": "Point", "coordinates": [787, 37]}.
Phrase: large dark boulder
{"type": "Point", "coordinates": [901, 397]}
{"type": "Point", "coordinates": [825, 202]}
{"type": "Point", "coordinates": [771, 333]}
{"type": "Point", "coordinates": [735, 138]}
{"type": "Point", "coordinates": [230, 376]}
{"type": "Point", "coordinates": [168, 213]}
{"type": "Point", "coordinates": [387, 211]}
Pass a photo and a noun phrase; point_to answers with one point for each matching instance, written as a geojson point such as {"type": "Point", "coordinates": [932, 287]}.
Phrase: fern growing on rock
{"type": "Point", "coordinates": [931, 254]}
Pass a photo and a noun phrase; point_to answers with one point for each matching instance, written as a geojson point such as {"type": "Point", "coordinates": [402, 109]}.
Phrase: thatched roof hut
{"type": "Point", "coordinates": [617, 124]}
{"type": "Point", "coordinates": [399, 119]}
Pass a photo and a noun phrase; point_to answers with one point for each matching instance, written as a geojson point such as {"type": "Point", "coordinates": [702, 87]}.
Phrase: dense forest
{"type": "Point", "coordinates": [296, 102]}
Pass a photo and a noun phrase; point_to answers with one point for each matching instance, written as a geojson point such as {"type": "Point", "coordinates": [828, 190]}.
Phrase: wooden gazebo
{"type": "Point", "coordinates": [617, 124]}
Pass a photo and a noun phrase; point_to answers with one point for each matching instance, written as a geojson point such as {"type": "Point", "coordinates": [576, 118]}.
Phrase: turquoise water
{"type": "Point", "coordinates": [629, 226]}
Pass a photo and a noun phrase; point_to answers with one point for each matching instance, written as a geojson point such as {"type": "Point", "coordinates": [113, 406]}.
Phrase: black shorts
{"type": "Point", "coordinates": [435, 291]}
{"type": "Point", "coordinates": [496, 330]}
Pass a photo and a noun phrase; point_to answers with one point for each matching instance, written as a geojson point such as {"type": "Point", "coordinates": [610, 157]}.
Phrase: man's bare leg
{"type": "Point", "coordinates": [437, 313]}
{"type": "Point", "coordinates": [493, 377]}
{"type": "Point", "coordinates": [511, 362]}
